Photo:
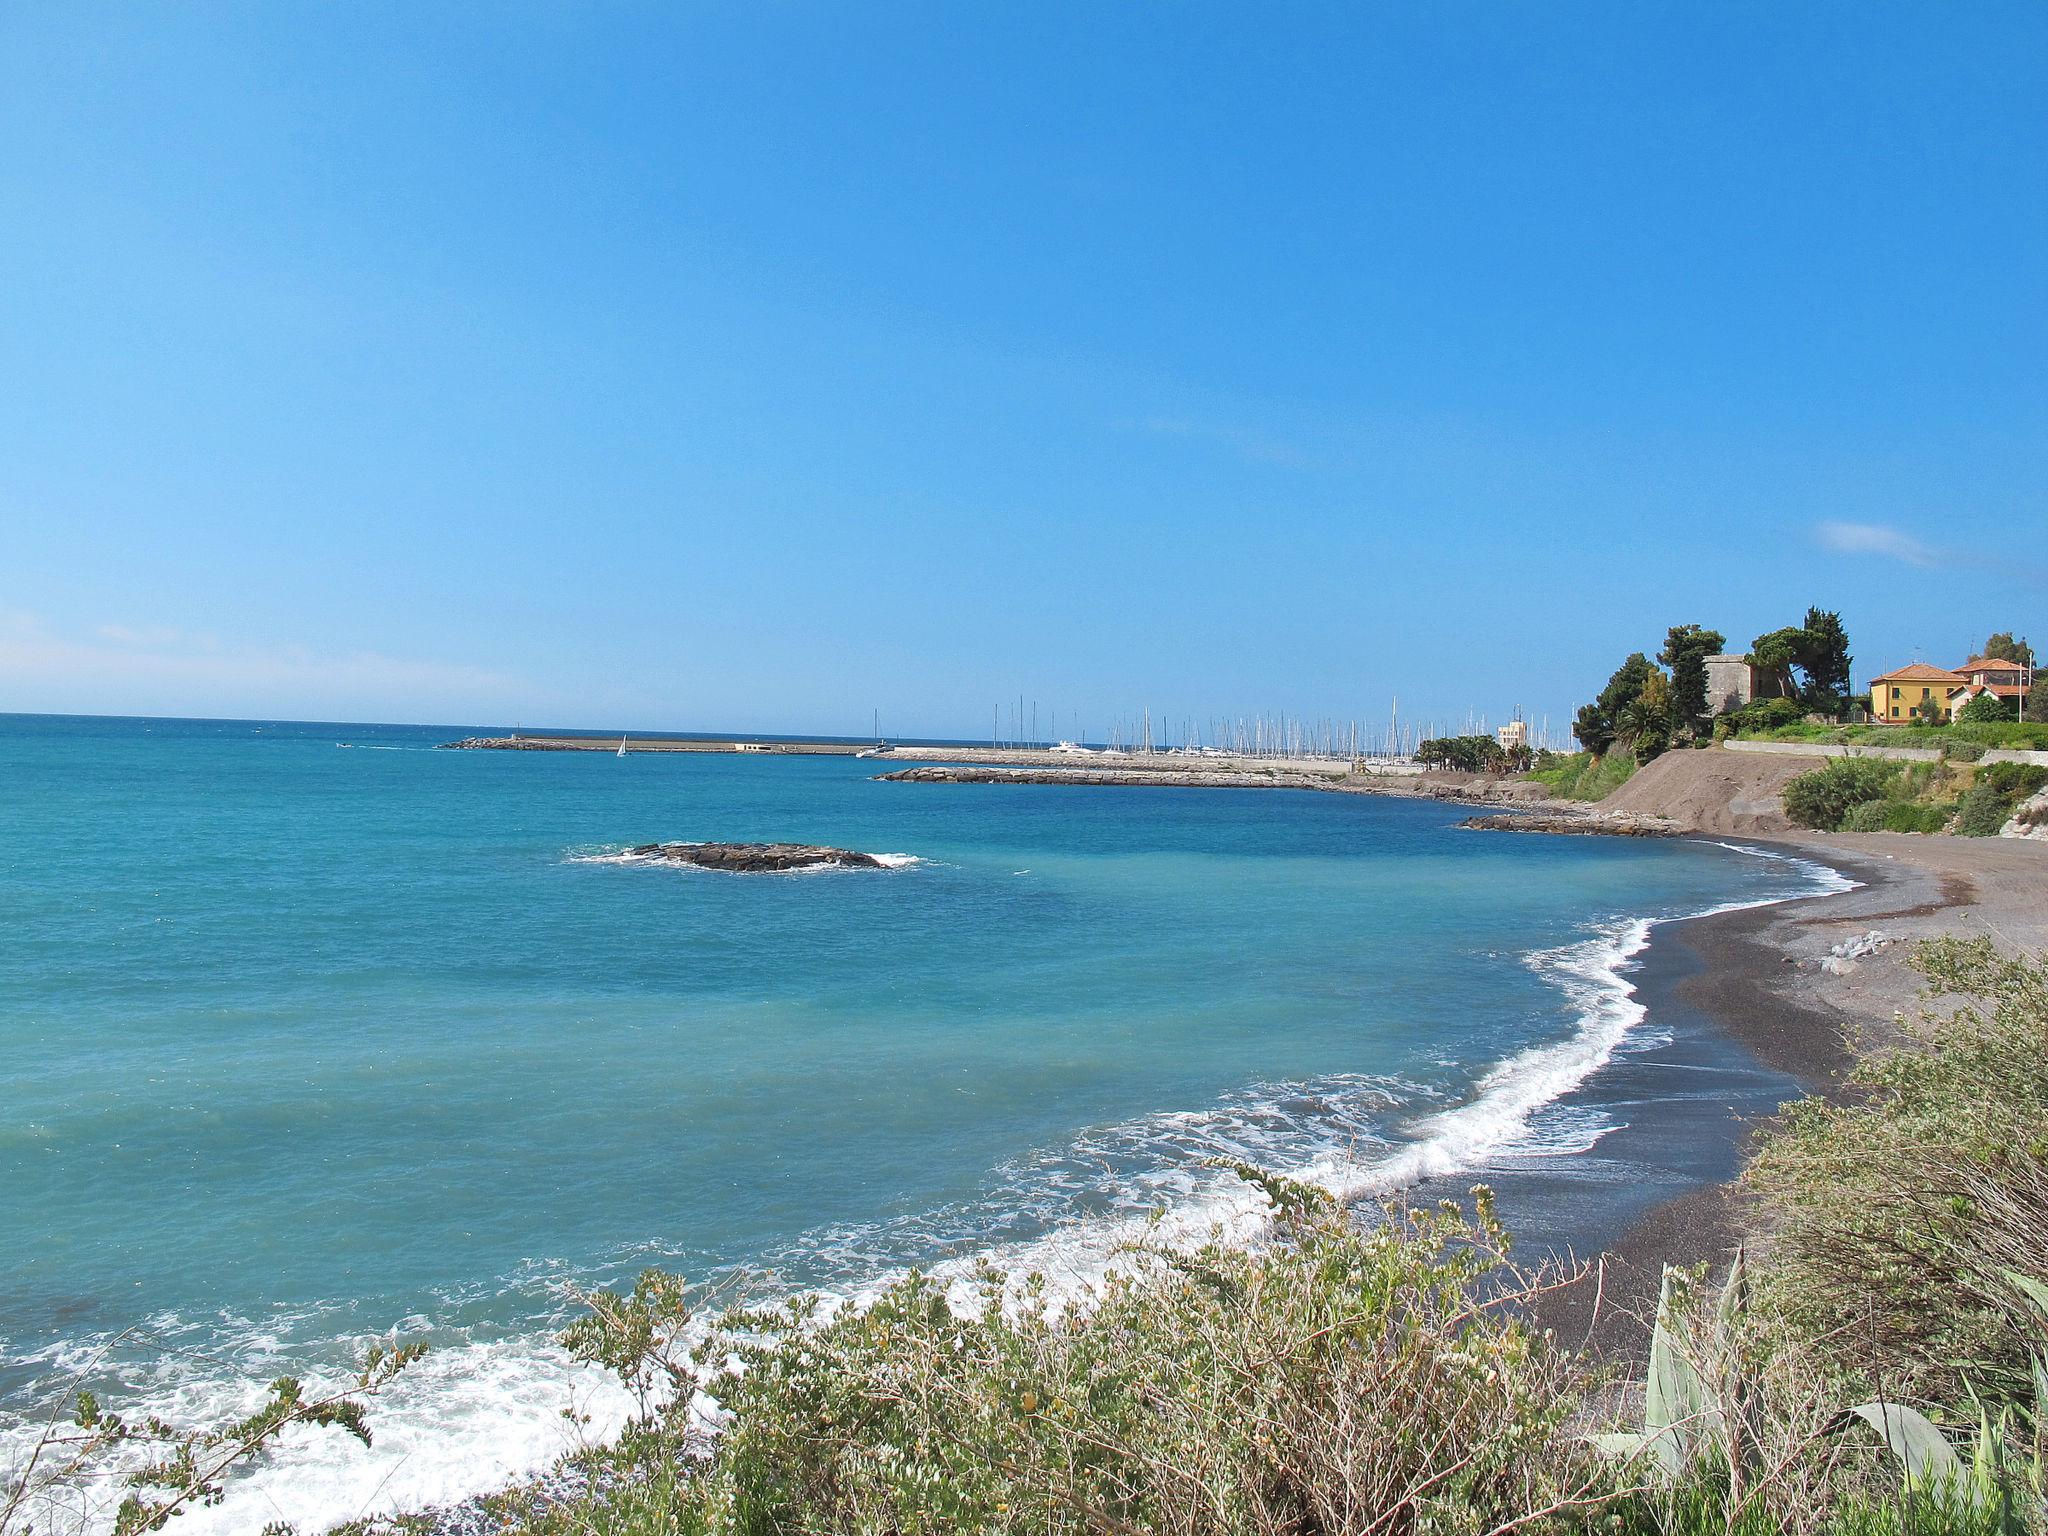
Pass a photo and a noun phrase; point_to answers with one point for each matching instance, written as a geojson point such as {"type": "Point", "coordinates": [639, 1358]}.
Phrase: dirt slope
{"type": "Point", "coordinates": [1714, 790]}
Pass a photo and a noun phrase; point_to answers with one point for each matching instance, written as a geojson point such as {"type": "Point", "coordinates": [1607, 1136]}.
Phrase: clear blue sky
{"type": "Point", "coordinates": [754, 366]}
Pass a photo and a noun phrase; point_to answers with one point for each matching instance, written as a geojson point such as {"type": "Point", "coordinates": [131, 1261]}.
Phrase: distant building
{"type": "Point", "coordinates": [1733, 682]}
{"type": "Point", "coordinates": [1896, 697]}
{"type": "Point", "coordinates": [2011, 681]}
{"type": "Point", "coordinates": [1513, 735]}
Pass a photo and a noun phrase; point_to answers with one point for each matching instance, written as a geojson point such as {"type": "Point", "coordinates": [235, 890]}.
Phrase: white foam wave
{"type": "Point", "coordinates": [1499, 1116]}
{"type": "Point", "coordinates": [463, 1421]}
{"type": "Point", "coordinates": [1827, 880]}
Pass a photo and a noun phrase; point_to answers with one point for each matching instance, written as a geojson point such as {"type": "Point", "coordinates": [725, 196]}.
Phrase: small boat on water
{"type": "Point", "coordinates": [622, 746]}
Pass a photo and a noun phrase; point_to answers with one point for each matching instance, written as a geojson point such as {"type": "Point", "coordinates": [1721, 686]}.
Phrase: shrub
{"type": "Point", "coordinates": [1986, 709]}
{"type": "Point", "coordinates": [1766, 714]}
{"type": "Point", "coordinates": [1990, 802]}
{"type": "Point", "coordinates": [1964, 751]}
{"type": "Point", "coordinates": [2015, 781]}
{"type": "Point", "coordinates": [2021, 735]}
{"type": "Point", "coordinates": [1900, 1217]}
{"type": "Point", "coordinates": [1343, 1378]}
{"type": "Point", "coordinates": [1582, 776]}
{"type": "Point", "coordinates": [1868, 817]}
{"type": "Point", "coordinates": [1982, 813]}
{"type": "Point", "coordinates": [1824, 798]}
{"type": "Point", "coordinates": [1904, 816]}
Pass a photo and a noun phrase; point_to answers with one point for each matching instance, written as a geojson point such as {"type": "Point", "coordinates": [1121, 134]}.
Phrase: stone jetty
{"type": "Point", "coordinates": [1590, 823]}
{"type": "Point", "coordinates": [956, 773]}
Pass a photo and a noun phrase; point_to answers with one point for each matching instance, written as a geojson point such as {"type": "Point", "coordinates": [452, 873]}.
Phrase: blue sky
{"type": "Point", "coordinates": [756, 366]}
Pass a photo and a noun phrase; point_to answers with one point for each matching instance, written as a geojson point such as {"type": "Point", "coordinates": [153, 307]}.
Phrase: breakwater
{"type": "Point", "coordinates": [1149, 778]}
{"type": "Point", "coordinates": [656, 744]}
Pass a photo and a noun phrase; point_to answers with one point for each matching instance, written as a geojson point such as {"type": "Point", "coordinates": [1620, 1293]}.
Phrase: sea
{"type": "Point", "coordinates": [312, 1035]}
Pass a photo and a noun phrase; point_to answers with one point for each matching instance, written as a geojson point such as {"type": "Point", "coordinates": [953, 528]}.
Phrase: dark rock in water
{"type": "Point", "coordinates": [757, 858]}
{"type": "Point", "coordinates": [1591, 823]}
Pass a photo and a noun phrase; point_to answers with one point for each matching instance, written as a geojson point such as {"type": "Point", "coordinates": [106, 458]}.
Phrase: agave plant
{"type": "Point", "coordinates": [1693, 1418]}
{"type": "Point", "coordinates": [1682, 1422]}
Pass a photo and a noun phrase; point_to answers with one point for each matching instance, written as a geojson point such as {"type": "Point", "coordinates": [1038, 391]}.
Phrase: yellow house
{"type": "Point", "coordinates": [1895, 696]}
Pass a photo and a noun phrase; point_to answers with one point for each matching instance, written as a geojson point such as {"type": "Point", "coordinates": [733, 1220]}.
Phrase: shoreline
{"type": "Point", "coordinates": [1768, 981]}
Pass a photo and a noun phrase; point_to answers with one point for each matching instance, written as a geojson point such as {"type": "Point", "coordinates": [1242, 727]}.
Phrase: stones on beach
{"type": "Point", "coordinates": [1841, 959]}
{"type": "Point", "coordinates": [755, 858]}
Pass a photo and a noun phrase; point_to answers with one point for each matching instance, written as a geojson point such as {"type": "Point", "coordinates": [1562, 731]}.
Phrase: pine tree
{"type": "Point", "coordinates": [1686, 649]}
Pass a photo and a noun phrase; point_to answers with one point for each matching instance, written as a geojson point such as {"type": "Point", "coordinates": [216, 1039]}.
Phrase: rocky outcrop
{"type": "Point", "coordinates": [1594, 823]}
{"type": "Point", "coordinates": [755, 858]}
{"type": "Point", "coordinates": [2029, 818]}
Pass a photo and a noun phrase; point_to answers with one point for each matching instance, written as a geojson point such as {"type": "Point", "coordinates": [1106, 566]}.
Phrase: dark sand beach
{"type": "Point", "coordinates": [1759, 981]}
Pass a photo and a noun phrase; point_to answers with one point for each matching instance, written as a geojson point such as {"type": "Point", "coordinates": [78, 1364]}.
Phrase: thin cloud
{"type": "Point", "coordinates": [123, 668]}
{"type": "Point", "coordinates": [154, 637]}
{"type": "Point", "coordinates": [1874, 539]}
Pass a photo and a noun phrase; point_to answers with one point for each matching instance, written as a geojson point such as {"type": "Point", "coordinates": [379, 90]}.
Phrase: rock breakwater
{"type": "Point", "coordinates": [1136, 777]}
{"type": "Point", "coordinates": [1590, 823]}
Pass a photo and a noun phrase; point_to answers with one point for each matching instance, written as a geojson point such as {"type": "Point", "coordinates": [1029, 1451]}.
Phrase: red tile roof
{"type": "Point", "coordinates": [1992, 664]}
{"type": "Point", "coordinates": [1919, 672]}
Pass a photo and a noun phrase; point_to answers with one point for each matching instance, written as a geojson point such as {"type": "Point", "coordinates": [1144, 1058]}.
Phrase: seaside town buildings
{"type": "Point", "coordinates": [1904, 696]}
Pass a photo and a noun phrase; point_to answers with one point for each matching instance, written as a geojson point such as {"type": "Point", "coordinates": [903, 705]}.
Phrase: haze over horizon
{"type": "Point", "coordinates": [730, 368]}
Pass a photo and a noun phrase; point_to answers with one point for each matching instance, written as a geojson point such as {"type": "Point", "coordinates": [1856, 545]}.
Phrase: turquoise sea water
{"type": "Point", "coordinates": [308, 1032]}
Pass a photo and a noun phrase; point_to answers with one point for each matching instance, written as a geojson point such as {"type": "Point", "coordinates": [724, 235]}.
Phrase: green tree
{"type": "Point", "coordinates": [1985, 709]}
{"type": "Point", "coordinates": [1810, 661]}
{"type": "Point", "coordinates": [1823, 657]}
{"type": "Point", "coordinates": [1686, 649]}
{"type": "Point", "coordinates": [1471, 754]}
{"type": "Point", "coordinates": [1594, 730]}
{"type": "Point", "coordinates": [2003, 647]}
{"type": "Point", "coordinates": [1645, 721]}
{"type": "Point", "coordinates": [1776, 652]}
{"type": "Point", "coordinates": [1598, 724]}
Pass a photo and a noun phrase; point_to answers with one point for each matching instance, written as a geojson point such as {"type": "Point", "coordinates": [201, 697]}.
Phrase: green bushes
{"type": "Point", "coordinates": [1990, 802]}
{"type": "Point", "coordinates": [1901, 1216]}
{"type": "Point", "coordinates": [1905, 817]}
{"type": "Point", "coordinates": [1824, 798]}
{"type": "Point", "coordinates": [1881, 795]}
{"type": "Point", "coordinates": [1986, 709]}
{"type": "Point", "coordinates": [1895, 816]}
{"type": "Point", "coordinates": [1761, 715]}
{"type": "Point", "coordinates": [1345, 1378]}
{"type": "Point", "coordinates": [2026, 736]}
{"type": "Point", "coordinates": [1982, 812]}
{"type": "Point", "coordinates": [1582, 776]}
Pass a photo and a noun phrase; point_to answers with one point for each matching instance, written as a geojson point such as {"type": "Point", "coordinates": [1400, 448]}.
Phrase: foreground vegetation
{"type": "Point", "coordinates": [1875, 1370]}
